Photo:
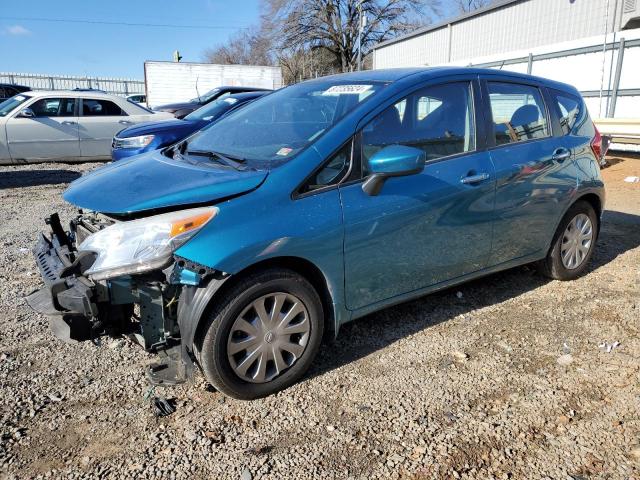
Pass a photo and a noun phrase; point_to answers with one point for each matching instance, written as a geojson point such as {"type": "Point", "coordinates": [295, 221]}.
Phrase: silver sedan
{"type": "Point", "coordinates": [44, 126]}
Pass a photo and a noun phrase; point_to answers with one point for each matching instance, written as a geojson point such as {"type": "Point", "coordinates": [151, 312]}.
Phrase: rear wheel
{"type": "Point", "coordinates": [262, 334]}
{"type": "Point", "coordinates": [573, 243]}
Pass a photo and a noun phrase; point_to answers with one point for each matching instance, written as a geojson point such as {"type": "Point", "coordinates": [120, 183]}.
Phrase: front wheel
{"type": "Point", "coordinates": [573, 243]}
{"type": "Point", "coordinates": [262, 334]}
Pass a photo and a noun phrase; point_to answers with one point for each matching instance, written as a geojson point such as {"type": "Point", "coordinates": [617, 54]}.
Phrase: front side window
{"type": "Point", "coordinates": [518, 113]}
{"type": "Point", "coordinates": [100, 108]}
{"type": "Point", "coordinates": [437, 119]}
{"type": "Point", "coordinates": [276, 127]}
{"type": "Point", "coordinates": [54, 107]}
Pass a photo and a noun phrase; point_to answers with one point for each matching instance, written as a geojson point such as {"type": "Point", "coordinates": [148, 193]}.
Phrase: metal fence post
{"type": "Point", "coordinates": [530, 63]}
{"type": "Point", "coordinates": [51, 87]}
{"type": "Point", "coordinates": [616, 80]}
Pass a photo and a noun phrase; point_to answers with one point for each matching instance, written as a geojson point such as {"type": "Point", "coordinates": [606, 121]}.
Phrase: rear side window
{"type": "Point", "coordinates": [436, 119]}
{"type": "Point", "coordinates": [54, 107]}
{"type": "Point", "coordinates": [100, 108]}
{"type": "Point", "coordinates": [569, 110]}
{"type": "Point", "coordinates": [518, 113]}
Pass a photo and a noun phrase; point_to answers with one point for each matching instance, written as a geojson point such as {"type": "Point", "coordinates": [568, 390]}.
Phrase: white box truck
{"type": "Point", "coordinates": [169, 82]}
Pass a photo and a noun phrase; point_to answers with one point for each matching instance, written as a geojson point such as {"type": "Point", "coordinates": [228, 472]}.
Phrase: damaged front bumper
{"type": "Point", "coordinates": [143, 307]}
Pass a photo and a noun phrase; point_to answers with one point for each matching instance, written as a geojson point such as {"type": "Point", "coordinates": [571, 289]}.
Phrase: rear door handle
{"type": "Point", "coordinates": [560, 154]}
{"type": "Point", "coordinates": [473, 179]}
{"type": "Point", "coordinates": [68, 122]}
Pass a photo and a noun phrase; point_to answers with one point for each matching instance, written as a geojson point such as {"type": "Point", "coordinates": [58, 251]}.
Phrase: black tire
{"type": "Point", "coordinates": [212, 342]}
{"type": "Point", "coordinates": [552, 265]}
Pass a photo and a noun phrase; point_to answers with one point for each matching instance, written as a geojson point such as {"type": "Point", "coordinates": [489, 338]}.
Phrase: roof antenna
{"type": "Point", "coordinates": [198, 91]}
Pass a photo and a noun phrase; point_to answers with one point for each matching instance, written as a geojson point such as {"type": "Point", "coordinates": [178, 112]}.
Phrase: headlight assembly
{"type": "Point", "coordinates": [141, 245]}
{"type": "Point", "coordinates": [133, 142]}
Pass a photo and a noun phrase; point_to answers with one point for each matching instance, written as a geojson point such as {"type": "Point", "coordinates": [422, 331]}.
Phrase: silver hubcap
{"type": "Point", "coordinates": [576, 241]}
{"type": "Point", "coordinates": [268, 337]}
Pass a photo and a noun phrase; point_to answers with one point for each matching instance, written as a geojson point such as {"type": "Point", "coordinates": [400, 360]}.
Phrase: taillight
{"type": "Point", "coordinates": [596, 144]}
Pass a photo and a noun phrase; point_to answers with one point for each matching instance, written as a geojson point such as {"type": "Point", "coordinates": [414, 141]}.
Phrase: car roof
{"type": "Point", "coordinates": [248, 95]}
{"type": "Point", "coordinates": [235, 88]}
{"type": "Point", "coordinates": [391, 75]}
{"type": "Point", "coordinates": [73, 93]}
{"type": "Point", "coordinates": [15, 85]}
{"type": "Point", "coordinates": [122, 102]}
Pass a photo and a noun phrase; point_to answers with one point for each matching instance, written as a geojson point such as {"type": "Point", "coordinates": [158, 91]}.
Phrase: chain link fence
{"type": "Point", "coordinates": [117, 86]}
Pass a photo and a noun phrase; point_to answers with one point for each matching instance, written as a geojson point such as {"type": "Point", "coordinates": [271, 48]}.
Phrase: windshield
{"type": "Point", "coordinates": [10, 103]}
{"type": "Point", "coordinates": [213, 110]}
{"type": "Point", "coordinates": [207, 96]}
{"type": "Point", "coordinates": [279, 125]}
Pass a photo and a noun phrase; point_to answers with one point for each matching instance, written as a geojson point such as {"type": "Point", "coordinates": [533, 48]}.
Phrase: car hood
{"type": "Point", "coordinates": [152, 181]}
{"type": "Point", "coordinates": [177, 106]}
{"type": "Point", "coordinates": [162, 126]}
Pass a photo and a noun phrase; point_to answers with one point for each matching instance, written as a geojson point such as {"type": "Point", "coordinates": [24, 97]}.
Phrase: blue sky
{"type": "Point", "coordinates": [113, 50]}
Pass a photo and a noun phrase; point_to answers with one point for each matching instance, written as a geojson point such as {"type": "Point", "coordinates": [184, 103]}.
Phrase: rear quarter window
{"type": "Point", "coordinates": [572, 113]}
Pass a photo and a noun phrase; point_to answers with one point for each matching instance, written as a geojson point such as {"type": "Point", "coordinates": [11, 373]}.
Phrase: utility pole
{"type": "Point", "coordinates": [362, 21]}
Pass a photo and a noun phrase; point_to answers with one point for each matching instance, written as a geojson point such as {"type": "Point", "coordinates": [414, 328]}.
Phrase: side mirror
{"type": "Point", "coordinates": [392, 161]}
{"type": "Point", "coordinates": [26, 113]}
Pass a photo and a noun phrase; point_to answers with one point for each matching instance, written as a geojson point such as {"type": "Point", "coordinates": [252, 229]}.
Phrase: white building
{"type": "Point", "coordinates": [592, 44]}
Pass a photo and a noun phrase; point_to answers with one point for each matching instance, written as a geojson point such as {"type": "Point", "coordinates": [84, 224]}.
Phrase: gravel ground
{"type": "Point", "coordinates": [499, 378]}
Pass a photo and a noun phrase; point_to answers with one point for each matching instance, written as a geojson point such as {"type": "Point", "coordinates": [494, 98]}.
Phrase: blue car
{"type": "Point", "coordinates": [240, 247]}
{"type": "Point", "coordinates": [153, 135]}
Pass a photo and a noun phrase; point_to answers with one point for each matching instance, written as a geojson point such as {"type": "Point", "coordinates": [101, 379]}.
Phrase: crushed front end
{"type": "Point", "coordinates": [87, 294]}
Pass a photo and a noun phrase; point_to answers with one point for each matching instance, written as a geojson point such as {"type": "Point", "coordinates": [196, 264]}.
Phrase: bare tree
{"type": "Point", "coordinates": [243, 48]}
{"type": "Point", "coordinates": [466, 6]}
{"type": "Point", "coordinates": [331, 26]}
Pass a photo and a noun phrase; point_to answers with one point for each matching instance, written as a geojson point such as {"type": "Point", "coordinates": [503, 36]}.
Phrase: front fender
{"type": "Point", "coordinates": [263, 226]}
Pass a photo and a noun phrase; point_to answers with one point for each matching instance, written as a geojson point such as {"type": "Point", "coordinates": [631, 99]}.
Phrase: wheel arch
{"type": "Point", "coordinates": [196, 302]}
{"type": "Point", "coordinates": [591, 197]}
{"type": "Point", "coordinates": [595, 201]}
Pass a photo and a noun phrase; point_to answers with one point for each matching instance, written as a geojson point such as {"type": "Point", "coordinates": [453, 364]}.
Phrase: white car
{"type": "Point", "coordinates": [65, 125]}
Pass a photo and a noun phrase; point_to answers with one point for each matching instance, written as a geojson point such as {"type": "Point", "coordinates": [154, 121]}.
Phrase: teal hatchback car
{"type": "Point", "coordinates": [240, 247]}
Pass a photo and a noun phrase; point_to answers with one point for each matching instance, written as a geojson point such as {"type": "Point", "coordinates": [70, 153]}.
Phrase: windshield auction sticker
{"type": "Point", "coordinates": [346, 90]}
{"type": "Point", "coordinates": [284, 151]}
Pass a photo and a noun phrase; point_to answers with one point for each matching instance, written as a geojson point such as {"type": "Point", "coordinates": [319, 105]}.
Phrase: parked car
{"type": "Point", "coordinates": [153, 135]}
{"type": "Point", "coordinates": [64, 125]}
{"type": "Point", "coordinates": [138, 98]}
{"type": "Point", "coordinates": [318, 204]}
{"type": "Point", "coordinates": [8, 90]}
{"type": "Point", "coordinates": [182, 109]}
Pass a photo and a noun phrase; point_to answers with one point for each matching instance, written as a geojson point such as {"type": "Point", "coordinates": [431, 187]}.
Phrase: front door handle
{"type": "Point", "coordinates": [560, 154]}
{"type": "Point", "coordinates": [125, 122]}
{"type": "Point", "coordinates": [473, 179]}
{"type": "Point", "coordinates": [68, 122]}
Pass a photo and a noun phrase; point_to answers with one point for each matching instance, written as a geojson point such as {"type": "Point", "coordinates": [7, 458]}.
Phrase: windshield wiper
{"type": "Point", "coordinates": [235, 163]}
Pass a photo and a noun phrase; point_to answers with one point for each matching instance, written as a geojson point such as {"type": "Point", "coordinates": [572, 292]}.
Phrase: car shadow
{"type": "Point", "coordinates": [34, 178]}
{"type": "Point", "coordinates": [620, 233]}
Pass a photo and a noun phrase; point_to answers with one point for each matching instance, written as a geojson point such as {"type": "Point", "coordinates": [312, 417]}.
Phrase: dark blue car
{"type": "Point", "coordinates": [153, 135]}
